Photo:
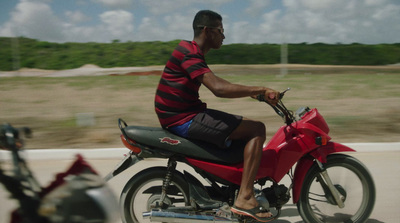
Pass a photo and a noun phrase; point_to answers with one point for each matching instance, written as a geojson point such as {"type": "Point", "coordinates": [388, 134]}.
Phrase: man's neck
{"type": "Point", "coordinates": [202, 44]}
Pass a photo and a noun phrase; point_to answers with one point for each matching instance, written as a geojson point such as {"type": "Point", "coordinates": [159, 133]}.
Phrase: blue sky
{"type": "Point", "coordinates": [250, 21]}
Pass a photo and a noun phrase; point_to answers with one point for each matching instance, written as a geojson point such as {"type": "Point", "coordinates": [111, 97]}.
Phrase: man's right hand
{"type": "Point", "coordinates": [272, 96]}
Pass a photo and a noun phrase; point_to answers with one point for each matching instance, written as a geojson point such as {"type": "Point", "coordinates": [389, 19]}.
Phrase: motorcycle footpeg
{"type": "Point", "coordinates": [224, 212]}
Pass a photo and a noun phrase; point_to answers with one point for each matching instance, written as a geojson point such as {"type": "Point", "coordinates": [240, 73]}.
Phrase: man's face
{"type": "Point", "coordinates": [216, 35]}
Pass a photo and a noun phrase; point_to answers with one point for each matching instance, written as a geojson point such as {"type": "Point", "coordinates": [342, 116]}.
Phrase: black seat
{"type": "Point", "coordinates": [165, 140]}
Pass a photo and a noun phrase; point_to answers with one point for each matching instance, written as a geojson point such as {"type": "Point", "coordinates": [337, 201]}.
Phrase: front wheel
{"type": "Point", "coordinates": [143, 192]}
{"type": "Point", "coordinates": [351, 179]}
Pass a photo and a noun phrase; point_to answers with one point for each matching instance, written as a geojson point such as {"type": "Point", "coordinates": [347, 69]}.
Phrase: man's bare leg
{"type": "Point", "coordinates": [254, 133]}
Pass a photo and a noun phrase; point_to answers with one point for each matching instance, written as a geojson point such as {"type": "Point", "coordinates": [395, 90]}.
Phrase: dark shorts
{"type": "Point", "coordinates": [214, 127]}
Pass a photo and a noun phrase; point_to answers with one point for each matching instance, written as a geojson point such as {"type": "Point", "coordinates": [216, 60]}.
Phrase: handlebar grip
{"type": "Point", "coordinates": [281, 95]}
{"type": "Point", "coordinates": [261, 97]}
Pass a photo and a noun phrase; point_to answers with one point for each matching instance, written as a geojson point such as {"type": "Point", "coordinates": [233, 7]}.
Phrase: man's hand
{"type": "Point", "coordinates": [271, 96]}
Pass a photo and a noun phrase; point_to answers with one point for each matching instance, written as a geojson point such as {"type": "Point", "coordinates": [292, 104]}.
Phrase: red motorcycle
{"type": "Point", "coordinates": [78, 195]}
{"type": "Point", "coordinates": [327, 185]}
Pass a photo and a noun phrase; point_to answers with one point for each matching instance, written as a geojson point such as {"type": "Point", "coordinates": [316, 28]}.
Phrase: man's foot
{"type": "Point", "coordinates": [258, 213]}
{"type": "Point", "coordinates": [251, 203]}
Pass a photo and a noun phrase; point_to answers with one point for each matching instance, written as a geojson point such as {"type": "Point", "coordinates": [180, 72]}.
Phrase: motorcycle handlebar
{"type": "Point", "coordinates": [280, 109]}
{"type": "Point", "coordinates": [283, 93]}
{"type": "Point", "coordinates": [10, 136]}
{"type": "Point", "coordinates": [261, 97]}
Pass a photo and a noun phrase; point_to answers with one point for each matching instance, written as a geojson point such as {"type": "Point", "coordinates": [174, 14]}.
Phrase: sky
{"type": "Point", "coordinates": [244, 21]}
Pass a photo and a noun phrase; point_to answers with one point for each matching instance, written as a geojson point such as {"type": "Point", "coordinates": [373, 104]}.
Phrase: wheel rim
{"type": "Point", "coordinates": [355, 187]}
{"type": "Point", "coordinates": [143, 202]}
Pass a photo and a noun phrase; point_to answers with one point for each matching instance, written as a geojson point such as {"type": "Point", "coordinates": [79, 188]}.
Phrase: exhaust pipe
{"type": "Point", "coordinates": [184, 217]}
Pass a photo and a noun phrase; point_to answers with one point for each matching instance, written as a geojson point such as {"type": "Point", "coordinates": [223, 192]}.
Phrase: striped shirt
{"type": "Point", "coordinates": [177, 97]}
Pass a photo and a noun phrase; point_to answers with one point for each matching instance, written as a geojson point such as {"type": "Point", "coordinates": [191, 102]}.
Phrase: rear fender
{"type": "Point", "coordinates": [305, 163]}
{"type": "Point", "coordinates": [129, 160]}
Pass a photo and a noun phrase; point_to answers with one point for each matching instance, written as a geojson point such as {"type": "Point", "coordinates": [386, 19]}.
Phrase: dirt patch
{"type": "Point", "coordinates": [145, 73]}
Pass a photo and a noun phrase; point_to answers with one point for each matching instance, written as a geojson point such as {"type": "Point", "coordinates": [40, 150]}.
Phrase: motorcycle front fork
{"type": "Point", "coordinates": [338, 197]}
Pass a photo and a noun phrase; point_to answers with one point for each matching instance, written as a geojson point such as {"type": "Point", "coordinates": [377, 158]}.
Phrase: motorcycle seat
{"type": "Point", "coordinates": [159, 138]}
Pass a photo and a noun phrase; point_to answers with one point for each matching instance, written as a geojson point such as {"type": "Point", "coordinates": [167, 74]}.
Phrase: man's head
{"type": "Point", "coordinates": [209, 23]}
{"type": "Point", "coordinates": [206, 18]}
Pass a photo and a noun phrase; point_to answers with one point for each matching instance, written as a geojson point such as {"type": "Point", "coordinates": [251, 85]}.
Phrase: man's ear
{"type": "Point", "coordinates": [206, 30]}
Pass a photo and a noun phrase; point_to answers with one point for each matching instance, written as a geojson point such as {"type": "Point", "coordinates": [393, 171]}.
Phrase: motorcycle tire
{"type": "Point", "coordinates": [353, 181]}
{"type": "Point", "coordinates": [143, 191]}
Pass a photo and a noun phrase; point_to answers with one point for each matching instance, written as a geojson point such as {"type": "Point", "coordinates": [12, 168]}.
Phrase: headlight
{"type": "Point", "coordinates": [301, 112]}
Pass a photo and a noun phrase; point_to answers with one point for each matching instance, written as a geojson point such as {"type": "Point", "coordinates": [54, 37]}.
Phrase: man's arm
{"type": "Point", "coordinates": [224, 89]}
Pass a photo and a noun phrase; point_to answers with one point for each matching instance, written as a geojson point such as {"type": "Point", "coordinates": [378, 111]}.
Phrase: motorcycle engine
{"type": "Point", "coordinates": [277, 195]}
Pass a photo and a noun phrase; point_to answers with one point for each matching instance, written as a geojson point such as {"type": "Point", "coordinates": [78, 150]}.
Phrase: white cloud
{"type": "Point", "coordinates": [179, 26]}
{"type": "Point", "coordinates": [170, 27]}
{"type": "Point", "coordinates": [76, 16]}
{"type": "Point", "coordinates": [33, 19]}
{"type": "Point", "coordinates": [334, 21]}
{"type": "Point", "coordinates": [257, 6]}
{"type": "Point", "coordinates": [117, 24]}
{"type": "Point", "coordinates": [115, 3]}
{"type": "Point", "coordinates": [321, 5]}
{"type": "Point", "coordinates": [73, 33]}
{"type": "Point", "coordinates": [159, 7]}
{"type": "Point", "coordinates": [149, 30]}
{"type": "Point", "coordinates": [235, 32]}
{"type": "Point", "coordinates": [329, 21]}
{"type": "Point", "coordinates": [375, 2]}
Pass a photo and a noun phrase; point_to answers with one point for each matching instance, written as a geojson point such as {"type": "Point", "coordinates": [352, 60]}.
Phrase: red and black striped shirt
{"type": "Point", "coordinates": [177, 97]}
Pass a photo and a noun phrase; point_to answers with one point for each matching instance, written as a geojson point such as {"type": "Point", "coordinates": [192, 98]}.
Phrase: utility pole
{"type": "Point", "coordinates": [15, 54]}
{"type": "Point", "coordinates": [284, 59]}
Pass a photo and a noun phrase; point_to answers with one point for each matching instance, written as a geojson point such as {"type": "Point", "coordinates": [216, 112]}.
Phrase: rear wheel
{"type": "Point", "coordinates": [351, 179]}
{"type": "Point", "coordinates": [143, 192]}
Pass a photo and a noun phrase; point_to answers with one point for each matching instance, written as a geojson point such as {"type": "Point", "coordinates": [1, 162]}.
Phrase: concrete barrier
{"type": "Point", "coordinates": [116, 153]}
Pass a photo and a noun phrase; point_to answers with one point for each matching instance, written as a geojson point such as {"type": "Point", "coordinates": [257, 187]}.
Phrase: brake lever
{"type": "Point", "coordinates": [283, 93]}
{"type": "Point", "coordinates": [261, 98]}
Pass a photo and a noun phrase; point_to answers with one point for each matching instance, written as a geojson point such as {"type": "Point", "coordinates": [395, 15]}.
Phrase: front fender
{"type": "Point", "coordinates": [305, 163]}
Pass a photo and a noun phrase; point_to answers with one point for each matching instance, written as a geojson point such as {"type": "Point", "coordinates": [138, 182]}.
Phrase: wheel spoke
{"type": "Point", "coordinates": [352, 181]}
{"type": "Point", "coordinates": [143, 193]}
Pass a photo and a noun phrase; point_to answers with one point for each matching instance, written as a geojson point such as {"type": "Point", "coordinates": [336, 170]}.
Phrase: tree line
{"type": "Point", "coordinates": [24, 52]}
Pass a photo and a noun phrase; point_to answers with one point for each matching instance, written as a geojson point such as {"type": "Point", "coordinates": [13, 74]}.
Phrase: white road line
{"type": "Point", "coordinates": [116, 153]}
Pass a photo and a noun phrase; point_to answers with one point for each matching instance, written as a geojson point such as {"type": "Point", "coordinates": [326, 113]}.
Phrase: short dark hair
{"type": "Point", "coordinates": [205, 18]}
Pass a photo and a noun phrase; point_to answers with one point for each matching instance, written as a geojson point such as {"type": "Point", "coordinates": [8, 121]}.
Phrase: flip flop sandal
{"type": "Point", "coordinates": [252, 213]}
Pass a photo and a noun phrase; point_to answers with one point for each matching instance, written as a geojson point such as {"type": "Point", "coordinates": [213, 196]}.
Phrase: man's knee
{"type": "Point", "coordinates": [259, 129]}
{"type": "Point", "coordinates": [256, 129]}
{"type": "Point", "coordinates": [248, 130]}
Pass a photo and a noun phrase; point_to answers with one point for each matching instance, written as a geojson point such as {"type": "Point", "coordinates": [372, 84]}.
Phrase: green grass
{"type": "Point", "coordinates": [331, 86]}
{"type": "Point", "coordinates": [115, 82]}
{"type": "Point", "coordinates": [112, 82]}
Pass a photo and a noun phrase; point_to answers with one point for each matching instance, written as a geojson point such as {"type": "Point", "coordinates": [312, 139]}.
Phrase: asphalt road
{"type": "Point", "coordinates": [384, 167]}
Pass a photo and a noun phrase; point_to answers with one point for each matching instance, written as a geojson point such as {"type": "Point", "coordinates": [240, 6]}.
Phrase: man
{"type": "Point", "coordinates": [180, 110]}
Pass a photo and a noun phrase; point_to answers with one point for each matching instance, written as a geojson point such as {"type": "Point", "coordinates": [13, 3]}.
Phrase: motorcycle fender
{"type": "Point", "coordinates": [198, 193]}
{"type": "Point", "coordinates": [128, 161]}
{"type": "Point", "coordinates": [305, 163]}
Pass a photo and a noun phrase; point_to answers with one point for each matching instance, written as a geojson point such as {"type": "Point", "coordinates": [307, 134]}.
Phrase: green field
{"type": "Point", "coordinates": [359, 105]}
